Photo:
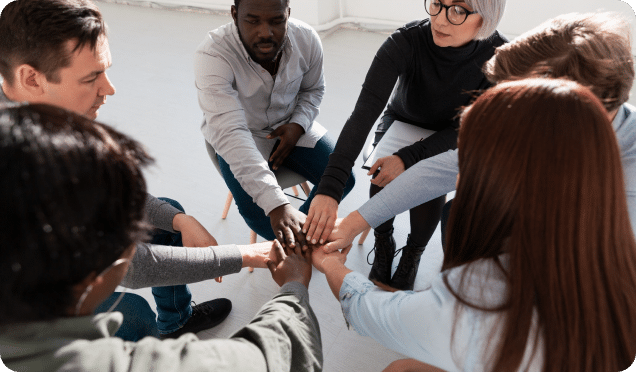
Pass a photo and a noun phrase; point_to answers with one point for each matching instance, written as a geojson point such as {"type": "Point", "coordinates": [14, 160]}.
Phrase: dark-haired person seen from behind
{"type": "Point", "coordinates": [77, 196]}
{"type": "Point", "coordinates": [57, 52]}
{"type": "Point", "coordinates": [540, 266]}
{"type": "Point", "coordinates": [435, 67]}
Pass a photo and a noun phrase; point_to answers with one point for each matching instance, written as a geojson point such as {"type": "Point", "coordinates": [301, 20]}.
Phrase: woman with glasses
{"type": "Point", "coordinates": [541, 266]}
{"type": "Point", "coordinates": [436, 64]}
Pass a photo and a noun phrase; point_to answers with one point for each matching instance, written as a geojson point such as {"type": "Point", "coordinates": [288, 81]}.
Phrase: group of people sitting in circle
{"type": "Point", "coordinates": [534, 134]}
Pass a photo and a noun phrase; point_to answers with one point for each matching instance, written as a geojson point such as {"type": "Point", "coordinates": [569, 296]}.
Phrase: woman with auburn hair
{"type": "Point", "coordinates": [540, 267]}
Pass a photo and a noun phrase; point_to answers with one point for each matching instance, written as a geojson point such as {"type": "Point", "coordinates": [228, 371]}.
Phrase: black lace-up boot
{"type": "Point", "coordinates": [384, 248]}
{"type": "Point", "coordinates": [406, 271]}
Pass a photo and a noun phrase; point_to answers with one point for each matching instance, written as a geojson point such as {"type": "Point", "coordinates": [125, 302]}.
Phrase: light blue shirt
{"type": "Point", "coordinates": [243, 103]}
{"type": "Point", "coordinates": [437, 175]}
{"type": "Point", "coordinates": [421, 324]}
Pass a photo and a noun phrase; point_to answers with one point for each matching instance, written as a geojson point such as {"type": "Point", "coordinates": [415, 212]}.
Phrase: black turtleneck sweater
{"type": "Point", "coordinates": [434, 83]}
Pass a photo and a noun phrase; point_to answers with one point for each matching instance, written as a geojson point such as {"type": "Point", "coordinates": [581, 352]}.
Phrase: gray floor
{"type": "Point", "coordinates": [152, 52]}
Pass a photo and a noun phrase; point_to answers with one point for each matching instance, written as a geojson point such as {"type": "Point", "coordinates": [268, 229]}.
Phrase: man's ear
{"type": "Point", "coordinates": [234, 13]}
{"type": "Point", "coordinates": [29, 80]}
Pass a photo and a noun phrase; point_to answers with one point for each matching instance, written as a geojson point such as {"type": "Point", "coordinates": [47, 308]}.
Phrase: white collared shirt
{"type": "Point", "coordinates": [242, 103]}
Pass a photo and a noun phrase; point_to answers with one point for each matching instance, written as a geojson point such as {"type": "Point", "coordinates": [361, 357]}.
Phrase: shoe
{"type": "Point", "coordinates": [384, 248]}
{"type": "Point", "coordinates": [204, 316]}
{"type": "Point", "coordinates": [405, 274]}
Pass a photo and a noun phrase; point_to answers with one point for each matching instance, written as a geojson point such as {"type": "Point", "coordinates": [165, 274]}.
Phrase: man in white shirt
{"type": "Point", "coordinates": [260, 82]}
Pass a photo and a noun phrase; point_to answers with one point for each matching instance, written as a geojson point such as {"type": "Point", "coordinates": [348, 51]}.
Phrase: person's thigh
{"type": "Point", "coordinates": [311, 163]}
{"type": "Point", "coordinates": [253, 215]}
{"type": "Point", "coordinates": [139, 319]}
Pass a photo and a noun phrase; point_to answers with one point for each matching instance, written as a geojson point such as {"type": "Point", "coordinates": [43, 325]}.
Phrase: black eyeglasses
{"type": "Point", "coordinates": [455, 14]}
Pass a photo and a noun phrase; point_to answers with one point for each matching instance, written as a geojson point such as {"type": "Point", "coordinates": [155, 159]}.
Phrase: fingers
{"type": "Point", "coordinates": [310, 217]}
{"type": "Point", "coordinates": [271, 266]}
{"type": "Point", "coordinates": [278, 253]}
{"type": "Point", "coordinates": [219, 279]}
{"type": "Point", "coordinates": [329, 224]}
{"type": "Point", "coordinates": [332, 246]}
{"type": "Point", "coordinates": [346, 250]}
{"type": "Point", "coordinates": [376, 165]}
{"type": "Point", "coordinates": [276, 132]}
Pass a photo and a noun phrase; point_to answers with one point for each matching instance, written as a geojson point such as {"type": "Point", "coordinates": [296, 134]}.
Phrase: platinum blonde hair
{"type": "Point", "coordinates": [491, 12]}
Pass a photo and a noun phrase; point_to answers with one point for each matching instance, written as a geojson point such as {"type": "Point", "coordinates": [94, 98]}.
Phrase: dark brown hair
{"type": "Point", "coordinates": [37, 32]}
{"type": "Point", "coordinates": [541, 183]}
{"type": "Point", "coordinates": [72, 196]}
{"type": "Point", "coordinates": [592, 49]}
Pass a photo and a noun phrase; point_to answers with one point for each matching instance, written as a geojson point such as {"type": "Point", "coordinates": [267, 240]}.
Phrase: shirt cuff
{"type": "Point", "coordinates": [375, 211]}
{"type": "Point", "coordinates": [353, 285]}
{"type": "Point", "coordinates": [297, 289]}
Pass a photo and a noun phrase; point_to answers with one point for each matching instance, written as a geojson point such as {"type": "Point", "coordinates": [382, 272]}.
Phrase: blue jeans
{"type": "Point", "coordinates": [309, 163]}
{"type": "Point", "coordinates": [139, 319]}
{"type": "Point", "coordinates": [173, 302]}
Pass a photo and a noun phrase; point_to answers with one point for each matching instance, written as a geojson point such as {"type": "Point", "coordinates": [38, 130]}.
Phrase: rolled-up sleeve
{"type": "Point", "coordinates": [225, 128]}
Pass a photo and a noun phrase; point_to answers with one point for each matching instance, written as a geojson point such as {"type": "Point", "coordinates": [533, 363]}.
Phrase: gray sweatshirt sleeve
{"type": "Point", "coordinates": [424, 181]}
{"type": "Point", "coordinates": [159, 265]}
{"type": "Point", "coordinates": [283, 336]}
{"type": "Point", "coordinates": [160, 213]}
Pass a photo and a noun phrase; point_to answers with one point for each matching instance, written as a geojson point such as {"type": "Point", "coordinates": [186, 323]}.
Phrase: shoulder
{"type": "Point", "coordinates": [219, 39]}
{"type": "Point", "coordinates": [299, 29]}
{"type": "Point", "coordinates": [413, 28]}
{"type": "Point", "coordinates": [496, 39]}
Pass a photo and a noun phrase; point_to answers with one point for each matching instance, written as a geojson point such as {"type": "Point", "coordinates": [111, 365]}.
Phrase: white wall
{"type": "Point", "coordinates": [519, 16]}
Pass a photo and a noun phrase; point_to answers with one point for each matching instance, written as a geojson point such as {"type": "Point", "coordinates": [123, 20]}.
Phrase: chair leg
{"type": "Point", "coordinates": [363, 236]}
{"type": "Point", "coordinates": [305, 188]}
{"type": "Point", "coordinates": [228, 202]}
{"type": "Point", "coordinates": [252, 241]}
{"type": "Point", "coordinates": [295, 190]}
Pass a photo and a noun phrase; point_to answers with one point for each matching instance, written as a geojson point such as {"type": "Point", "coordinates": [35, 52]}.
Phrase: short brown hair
{"type": "Point", "coordinates": [592, 49]}
{"type": "Point", "coordinates": [36, 32]}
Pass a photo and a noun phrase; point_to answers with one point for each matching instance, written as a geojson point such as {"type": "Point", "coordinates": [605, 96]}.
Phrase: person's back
{"type": "Point", "coordinates": [77, 194]}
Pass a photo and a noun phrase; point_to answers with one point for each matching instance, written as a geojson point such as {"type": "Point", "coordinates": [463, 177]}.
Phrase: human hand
{"type": "Point", "coordinates": [345, 231]}
{"type": "Point", "coordinates": [291, 266]}
{"type": "Point", "coordinates": [289, 134]}
{"type": "Point", "coordinates": [319, 258]}
{"type": "Point", "coordinates": [390, 167]}
{"type": "Point", "coordinates": [321, 219]}
{"type": "Point", "coordinates": [257, 254]}
{"type": "Point", "coordinates": [287, 223]}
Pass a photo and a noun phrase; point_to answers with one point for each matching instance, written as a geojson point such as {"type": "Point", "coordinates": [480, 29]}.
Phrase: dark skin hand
{"type": "Point", "coordinates": [289, 134]}
{"type": "Point", "coordinates": [287, 223]}
{"type": "Point", "coordinates": [291, 265]}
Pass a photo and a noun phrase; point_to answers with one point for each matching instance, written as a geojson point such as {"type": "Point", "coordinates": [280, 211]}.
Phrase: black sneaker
{"type": "Point", "coordinates": [204, 316]}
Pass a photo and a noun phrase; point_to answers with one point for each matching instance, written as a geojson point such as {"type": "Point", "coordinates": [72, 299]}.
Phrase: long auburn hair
{"type": "Point", "coordinates": [541, 182]}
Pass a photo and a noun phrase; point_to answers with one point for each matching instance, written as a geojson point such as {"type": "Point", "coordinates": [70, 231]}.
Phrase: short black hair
{"type": "Point", "coordinates": [36, 32]}
{"type": "Point", "coordinates": [236, 3]}
{"type": "Point", "coordinates": [72, 196]}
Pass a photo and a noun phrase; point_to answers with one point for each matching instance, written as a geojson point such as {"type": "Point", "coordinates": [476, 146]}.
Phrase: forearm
{"type": "Point", "coordinates": [283, 324]}
{"type": "Point", "coordinates": [437, 143]}
{"type": "Point", "coordinates": [335, 271]}
{"type": "Point", "coordinates": [157, 265]}
{"type": "Point", "coordinates": [426, 180]}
